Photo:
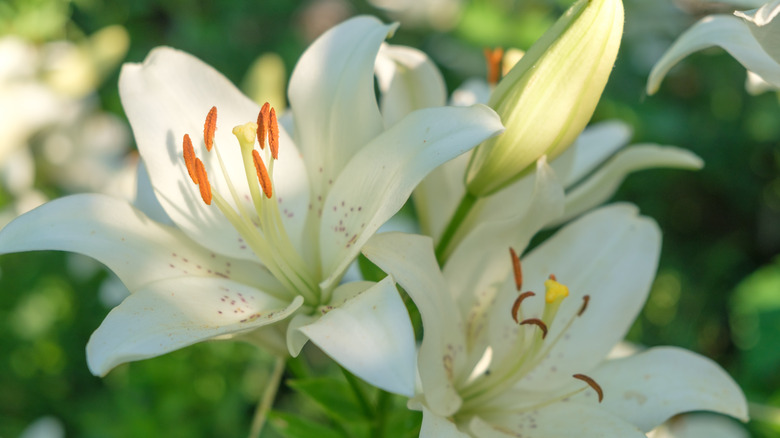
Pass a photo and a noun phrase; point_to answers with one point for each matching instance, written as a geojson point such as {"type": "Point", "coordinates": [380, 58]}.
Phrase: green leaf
{"type": "Point", "coordinates": [333, 396]}
{"type": "Point", "coordinates": [292, 426]}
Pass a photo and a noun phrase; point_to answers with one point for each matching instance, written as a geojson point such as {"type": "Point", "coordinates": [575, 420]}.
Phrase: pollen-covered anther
{"type": "Point", "coordinates": [494, 59]}
{"type": "Point", "coordinates": [518, 301]}
{"type": "Point", "coordinates": [592, 383]}
{"type": "Point", "coordinates": [585, 301]}
{"type": "Point", "coordinates": [210, 127]}
{"type": "Point", "coordinates": [517, 269]}
{"type": "Point", "coordinates": [537, 322]}
{"type": "Point", "coordinates": [273, 134]}
{"type": "Point", "coordinates": [203, 181]}
{"type": "Point", "coordinates": [262, 124]}
{"type": "Point", "coordinates": [262, 174]}
{"type": "Point", "coordinates": [189, 157]}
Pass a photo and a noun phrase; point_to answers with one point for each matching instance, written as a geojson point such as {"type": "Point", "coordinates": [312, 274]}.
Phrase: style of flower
{"type": "Point", "coordinates": [249, 237]}
{"type": "Point", "coordinates": [750, 37]}
{"type": "Point", "coordinates": [524, 354]}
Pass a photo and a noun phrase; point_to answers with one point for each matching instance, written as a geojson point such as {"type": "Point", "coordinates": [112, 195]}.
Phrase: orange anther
{"type": "Point", "coordinates": [262, 174]}
{"type": "Point", "coordinates": [262, 124]}
{"type": "Point", "coordinates": [494, 58]}
{"type": "Point", "coordinates": [585, 301]}
{"type": "Point", "coordinates": [553, 278]}
{"type": "Point", "coordinates": [210, 127]}
{"type": "Point", "coordinates": [518, 301]}
{"type": "Point", "coordinates": [273, 135]}
{"type": "Point", "coordinates": [517, 269]}
{"type": "Point", "coordinates": [189, 158]}
{"type": "Point", "coordinates": [203, 184]}
{"type": "Point", "coordinates": [592, 383]}
{"type": "Point", "coordinates": [537, 322]}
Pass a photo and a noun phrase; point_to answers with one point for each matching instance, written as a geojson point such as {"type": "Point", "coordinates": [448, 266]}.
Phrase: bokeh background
{"type": "Point", "coordinates": [62, 130]}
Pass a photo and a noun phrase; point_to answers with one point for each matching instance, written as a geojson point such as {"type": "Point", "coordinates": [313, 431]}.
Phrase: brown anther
{"type": "Point", "coordinates": [262, 124]}
{"type": "Point", "coordinates": [592, 383]}
{"type": "Point", "coordinates": [585, 301]}
{"type": "Point", "coordinates": [552, 277]}
{"type": "Point", "coordinates": [262, 174]}
{"type": "Point", "coordinates": [189, 158]}
{"type": "Point", "coordinates": [517, 269]}
{"type": "Point", "coordinates": [203, 181]}
{"type": "Point", "coordinates": [518, 301]}
{"type": "Point", "coordinates": [210, 127]}
{"type": "Point", "coordinates": [273, 135]}
{"type": "Point", "coordinates": [494, 59]}
{"type": "Point", "coordinates": [537, 322]}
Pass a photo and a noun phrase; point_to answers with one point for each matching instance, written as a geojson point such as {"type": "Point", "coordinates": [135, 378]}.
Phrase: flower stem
{"type": "Point", "coordinates": [465, 206]}
{"type": "Point", "coordinates": [268, 398]}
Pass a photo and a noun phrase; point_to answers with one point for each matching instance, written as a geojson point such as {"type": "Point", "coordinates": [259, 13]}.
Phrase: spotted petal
{"type": "Point", "coordinates": [171, 314]}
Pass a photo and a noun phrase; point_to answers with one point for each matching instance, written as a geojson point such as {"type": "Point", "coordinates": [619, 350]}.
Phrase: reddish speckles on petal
{"type": "Point", "coordinates": [210, 127]}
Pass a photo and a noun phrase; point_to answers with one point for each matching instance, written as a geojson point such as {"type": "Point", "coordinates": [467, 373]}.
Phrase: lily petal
{"type": "Point", "coordinates": [379, 179]}
{"type": "Point", "coordinates": [599, 187]}
{"type": "Point", "coordinates": [139, 250]}
{"type": "Point", "coordinates": [611, 255]}
{"type": "Point", "coordinates": [596, 144]}
{"type": "Point", "coordinates": [332, 98]}
{"type": "Point", "coordinates": [171, 314]}
{"type": "Point", "coordinates": [765, 27]}
{"type": "Point", "coordinates": [557, 420]}
{"type": "Point", "coordinates": [371, 335]}
{"type": "Point", "coordinates": [650, 387]}
{"type": "Point", "coordinates": [408, 80]}
{"type": "Point", "coordinates": [410, 260]}
{"type": "Point", "coordinates": [169, 95]}
{"type": "Point", "coordinates": [730, 33]}
{"type": "Point", "coordinates": [438, 194]}
{"type": "Point", "coordinates": [436, 426]}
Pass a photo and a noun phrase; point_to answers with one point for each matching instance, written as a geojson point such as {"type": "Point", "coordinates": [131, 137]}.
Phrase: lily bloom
{"type": "Point", "coordinates": [525, 354]}
{"type": "Point", "coordinates": [260, 217]}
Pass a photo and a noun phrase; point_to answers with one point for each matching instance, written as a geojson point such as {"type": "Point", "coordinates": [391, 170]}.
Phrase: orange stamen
{"type": "Point", "coordinates": [494, 59]}
{"type": "Point", "coordinates": [537, 322]}
{"type": "Point", "coordinates": [203, 184]}
{"type": "Point", "coordinates": [552, 277]}
{"type": "Point", "coordinates": [273, 135]}
{"type": "Point", "coordinates": [189, 158]}
{"type": "Point", "coordinates": [585, 301]}
{"type": "Point", "coordinates": [592, 384]}
{"type": "Point", "coordinates": [518, 301]}
{"type": "Point", "coordinates": [210, 127]}
{"type": "Point", "coordinates": [517, 269]}
{"type": "Point", "coordinates": [262, 124]}
{"type": "Point", "coordinates": [262, 174]}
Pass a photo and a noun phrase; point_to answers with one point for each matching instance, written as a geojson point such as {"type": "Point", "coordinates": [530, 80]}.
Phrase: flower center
{"type": "Point", "coordinates": [261, 227]}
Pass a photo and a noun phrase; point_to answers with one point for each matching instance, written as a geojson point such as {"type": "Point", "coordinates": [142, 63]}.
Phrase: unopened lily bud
{"type": "Point", "coordinates": [549, 96]}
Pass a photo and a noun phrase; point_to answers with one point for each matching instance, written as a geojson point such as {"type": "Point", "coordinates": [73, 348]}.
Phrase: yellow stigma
{"type": "Point", "coordinates": [555, 291]}
{"type": "Point", "coordinates": [246, 134]}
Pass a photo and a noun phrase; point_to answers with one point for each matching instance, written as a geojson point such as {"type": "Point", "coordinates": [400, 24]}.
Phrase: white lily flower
{"type": "Point", "coordinates": [498, 361]}
{"type": "Point", "coordinates": [283, 223]}
{"type": "Point", "coordinates": [751, 37]}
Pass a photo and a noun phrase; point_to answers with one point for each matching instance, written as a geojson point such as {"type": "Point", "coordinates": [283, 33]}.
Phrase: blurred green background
{"type": "Point", "coordinates": [718, 287]}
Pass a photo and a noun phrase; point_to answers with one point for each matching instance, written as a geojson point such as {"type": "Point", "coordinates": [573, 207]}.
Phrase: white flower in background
{"type": "Point", "coordinates": [441, 15]}
{"type": "Point", "coordinates": [524, 354]}
{"type": "Point", "coordinates": [751, 37]}
{"type": "Point", "coordinates": [259, 235]}
{"type": "Point", "coordinates": [699, 426]}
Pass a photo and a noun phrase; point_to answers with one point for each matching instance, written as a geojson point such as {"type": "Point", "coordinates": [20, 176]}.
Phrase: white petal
{"type": "Point", "coordinates": [600, 186]}
{"type": "Point", "coordinates": [437, 196]}
{"type": "Point", "coordinates": [171, 314]}
{"type": "Point", "coordinates": [137, 249]}
{"type": "Point", "coordinates": [410, 260]}
{"type": "Point", "coordinates": [765, 27]}
{"type": "Point", "coordinates": [611, 255]}
{"type": "Point", "coordinates": [169, 95]}
{"type": "Point", "coordinates": [700, 426]}
{"type": "Point", "coordinates": [650, 387]}
{"type": "Point", "coordinates": [145, 199]}
{"type": "Point", "coordinates": [563, 419]}
{"type": "Point", "coordinates": [596, 143]}
{"type": "Point", "coordinates": [296, 339]}
{"type": "Point", "coordinates": [730, 33]}
{"type": "Point", "coordinates": [436, 426]}
{"type": "Point", "coordinates": [379, 179]}
{"type": "Point", "coordinates": [332, 98]}
{"type": "Point", "coordinates": [408, 80]}
{"type": "Point", "coordinates": [371, 336]}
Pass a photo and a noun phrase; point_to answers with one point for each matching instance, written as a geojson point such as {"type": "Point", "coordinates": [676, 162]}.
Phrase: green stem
{"type": "Point", "coordinates": [268, 399]}
{"type": "Point", "coordinates": [465, 206]}
{"type": "Point", "coordinates": [382, 402]}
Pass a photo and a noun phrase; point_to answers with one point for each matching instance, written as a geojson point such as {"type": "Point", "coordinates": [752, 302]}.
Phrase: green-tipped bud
{"type": "Point", "coordinates": [549, 96]}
